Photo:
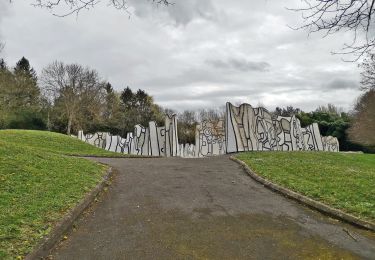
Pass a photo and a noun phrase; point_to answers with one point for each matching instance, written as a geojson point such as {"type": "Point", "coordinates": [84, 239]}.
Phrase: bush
{"type": "Point", "coordinates": [26, 120]}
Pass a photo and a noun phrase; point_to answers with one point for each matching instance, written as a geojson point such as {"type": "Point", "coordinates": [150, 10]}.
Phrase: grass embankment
{"type": "Point", "coordinates": [342, 180]}
{"type": "Point", "coordinates": [39, 184]}
{"type": "Point", "coordinates": [53, 142]}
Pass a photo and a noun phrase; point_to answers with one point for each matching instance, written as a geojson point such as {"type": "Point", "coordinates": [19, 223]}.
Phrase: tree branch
{"type": "Point", "coordinates": [76, 6]}
{"type": "Point", "coordinates": [332, 16]}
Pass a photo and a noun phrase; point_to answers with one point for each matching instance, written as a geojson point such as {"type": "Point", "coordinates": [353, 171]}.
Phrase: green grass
{"type": "Point", "coordinates": [53, 142]}
{"type": "Point", "coordinates": [39, 184]}
{"type": "Point", "coordinates": [343, 180]}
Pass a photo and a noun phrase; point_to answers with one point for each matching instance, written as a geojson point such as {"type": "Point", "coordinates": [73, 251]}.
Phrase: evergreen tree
{"type": "Point", "coordinates": [3, 65]}
{"type": "Point", "coordinates": [127, 98]}
{"type": "Point", "coordinates": [23, 67]}
{"type": "Point", "coordinates": [26, 91]}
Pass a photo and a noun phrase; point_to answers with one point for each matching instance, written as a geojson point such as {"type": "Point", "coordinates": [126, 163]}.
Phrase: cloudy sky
{"type": "Point", "coordinates": [194, 54]}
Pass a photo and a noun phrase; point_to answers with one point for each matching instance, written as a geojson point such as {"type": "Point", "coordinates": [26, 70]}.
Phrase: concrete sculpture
{"type": "Point", "coordinates": [290, 134]}
{"type": "Point", "coordinates": [171, 136]}
{"type": "Point", "coordinates": [112, 143]}
{"type": "Point", "coordinates": [157, 139]}
{"type": "Point", "coordinates": [253, 129]}
{"type": "Point", "coordinates": [265, 130]}
{"type": "Point", "coordinates": [240, 125]}
{"type": "Point", "coordinates": [312, 138]}
{"type": "Point", "coordinates": [189, 150]}
{"type": "Point", "coordinates": [141, 140]}
{"type": "Point", "coordinates": [249, 129]}
{"type": "Point", "coordinates": [149, 141]}
{"type": "Point", "coordinates": [244, 129]}
{"type": "Point", "coordinates": [210, 138]}
{"type": "Point", "coordinates": [330, 144]}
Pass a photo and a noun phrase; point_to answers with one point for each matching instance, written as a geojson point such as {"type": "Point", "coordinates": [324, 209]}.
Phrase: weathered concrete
{"type": "Point", "coordinates": [204, 209]}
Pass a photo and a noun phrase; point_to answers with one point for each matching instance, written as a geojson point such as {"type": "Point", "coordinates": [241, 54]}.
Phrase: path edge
{"type": "Point", "coordinates": [321, 207]}
{"type": "Point", "coordinates": [43, 248]}
{"type": "Point", "coordinates": [133, 156]}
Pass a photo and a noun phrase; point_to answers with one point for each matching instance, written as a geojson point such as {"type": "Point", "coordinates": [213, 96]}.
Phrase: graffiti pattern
{"type": "Point", "coordinates": [171, 136]}
{"type": "Point", "coordinates": [244, 128]}
{"type": "Point", "coordinates": [141, 140]}
{"type": "Point", "coordinates": [290, 134]}
{"type": "Point", "coordinates": [265, 131]}
{"type": "Point", "coordinates": [253, 129]}
{"type": "Point", "coordinates": [330, 144]}
{"type": "Point", "coordinates": [210, 138]}
{"type": "Point", "coordinates": [249, 129]}
{"type": "Point", "coordinates": [150, 141]}
{"type": "Point", "coordinates": [240, 125]}
{"type": "Point", "coordinates": [312, 138]}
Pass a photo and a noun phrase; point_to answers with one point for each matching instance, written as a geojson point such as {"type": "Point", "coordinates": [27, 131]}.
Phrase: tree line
{"type": "Point", "coordinates": [70, 97]}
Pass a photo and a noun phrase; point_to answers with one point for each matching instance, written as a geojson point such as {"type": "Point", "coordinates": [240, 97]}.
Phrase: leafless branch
{"type": "Point", "coordinates": [332, 16]}
{"type": "Point", "coordinates": [368, 73]}
{"type": "Point", "coordinates": [76, 6]}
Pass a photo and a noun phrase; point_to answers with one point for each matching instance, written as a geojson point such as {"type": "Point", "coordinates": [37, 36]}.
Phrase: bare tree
{"type": "Point", "coordinates": [187, 121]}
{"type": "Point", "coordinates": [213, 115]}
{"type": "Point", "coordinates": [368, 73]}
{"type": "Point", "coordinates": [331, 16]}
{"type": "Point", "coordinates": [75, 6]}
{"type": "Point", "coordinates": [76, 87]}
{"type": "Point", "coordinates": [330, 109]}
{"type": "Point", "coordinates": [363, 127]}
{"type": "Point", "coordinates": [2, 45]}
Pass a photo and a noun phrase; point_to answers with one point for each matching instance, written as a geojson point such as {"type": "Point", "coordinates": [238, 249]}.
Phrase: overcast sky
{"type": "Point", "coordinates": [194, 54]}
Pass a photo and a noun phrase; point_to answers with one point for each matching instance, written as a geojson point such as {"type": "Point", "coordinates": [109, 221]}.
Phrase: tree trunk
{"type": "Point", "coordinates": [70, 120]}
{"type": "Point", "coordinates": [48, 122]}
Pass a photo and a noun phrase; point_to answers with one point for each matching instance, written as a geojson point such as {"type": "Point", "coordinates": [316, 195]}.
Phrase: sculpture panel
{"type": "Point", "coordinates": [312, 138]}
{"type": "Point", "coordinates": [210, 138]}
{"type": "Point", "coordinates": [330, 144]}
{"type": "Point", "coordinates": [141, 140]}
{"type": "Point", "coordinates": [171, 136]}
{"type": "Point", "coordinates": [157, 139]}
{"type": "Point", "coordinates": [249, 129]}
{"type": "Point", "coordinates": [290, 134]}
{"type": "Point", "coordinates": [240, 125]}
{"type": "Point", "coordinates": [265, 131]}
{"type": "Point", "coordinates": [244, 129]}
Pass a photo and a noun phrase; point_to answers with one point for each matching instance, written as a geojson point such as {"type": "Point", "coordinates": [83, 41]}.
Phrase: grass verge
{"type": "Point", "coordinates": [39, 184]}
{"type": "Point", "coordinates": [53, 143]}
{"type": "Point", "coordinates": [342, 180]}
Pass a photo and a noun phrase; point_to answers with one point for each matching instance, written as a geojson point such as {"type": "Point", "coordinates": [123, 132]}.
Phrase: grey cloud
{"type": "Point", "coordinates": [341, 84]}
{"type": "Point", "coordinates": [239, 64]}
{"type": "Point", "coordinates": [188, 77]}
{"type": "Point", "coordinates": [181, 12]}
{"type": "Point", "coordinates": [184, 11]}
{"type": "Point", "coordinates": [196, 53]}
{"type": "Point", "coordinates": [4, 11]}
{"type": "Point", "coordinates": [214, 94]}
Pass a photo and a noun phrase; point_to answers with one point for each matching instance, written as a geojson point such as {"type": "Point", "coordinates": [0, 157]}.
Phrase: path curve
{"type": "Point", "coordinates": [174, 208]}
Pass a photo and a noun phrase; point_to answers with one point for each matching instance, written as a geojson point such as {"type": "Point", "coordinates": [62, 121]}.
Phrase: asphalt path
{"type": "Point", "coordinates": [174, 208]}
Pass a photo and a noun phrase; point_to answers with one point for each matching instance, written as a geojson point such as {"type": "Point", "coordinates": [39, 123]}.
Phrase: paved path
{"type": "Point", "coordinates": [204, 209]}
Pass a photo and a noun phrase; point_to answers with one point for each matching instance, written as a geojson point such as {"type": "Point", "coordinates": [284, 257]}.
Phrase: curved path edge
{"type": "Point", "coordinates": [132, 156]}
{"type": "Point", "coordinates": [47, 243]}
{"type": "Point", "coordinates": [335, 213]}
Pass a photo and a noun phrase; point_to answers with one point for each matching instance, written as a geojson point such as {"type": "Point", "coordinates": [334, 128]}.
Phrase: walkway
{"type": "Point", "coordinates": [176, 208]}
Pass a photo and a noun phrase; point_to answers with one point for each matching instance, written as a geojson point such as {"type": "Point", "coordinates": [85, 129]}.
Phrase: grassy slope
{"type": "Point", "coordinates": [52, 142]}
{"type": "Point", "coordinates": [38, 184]}
{"type": "Point", "coordinates": [344, 181]}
